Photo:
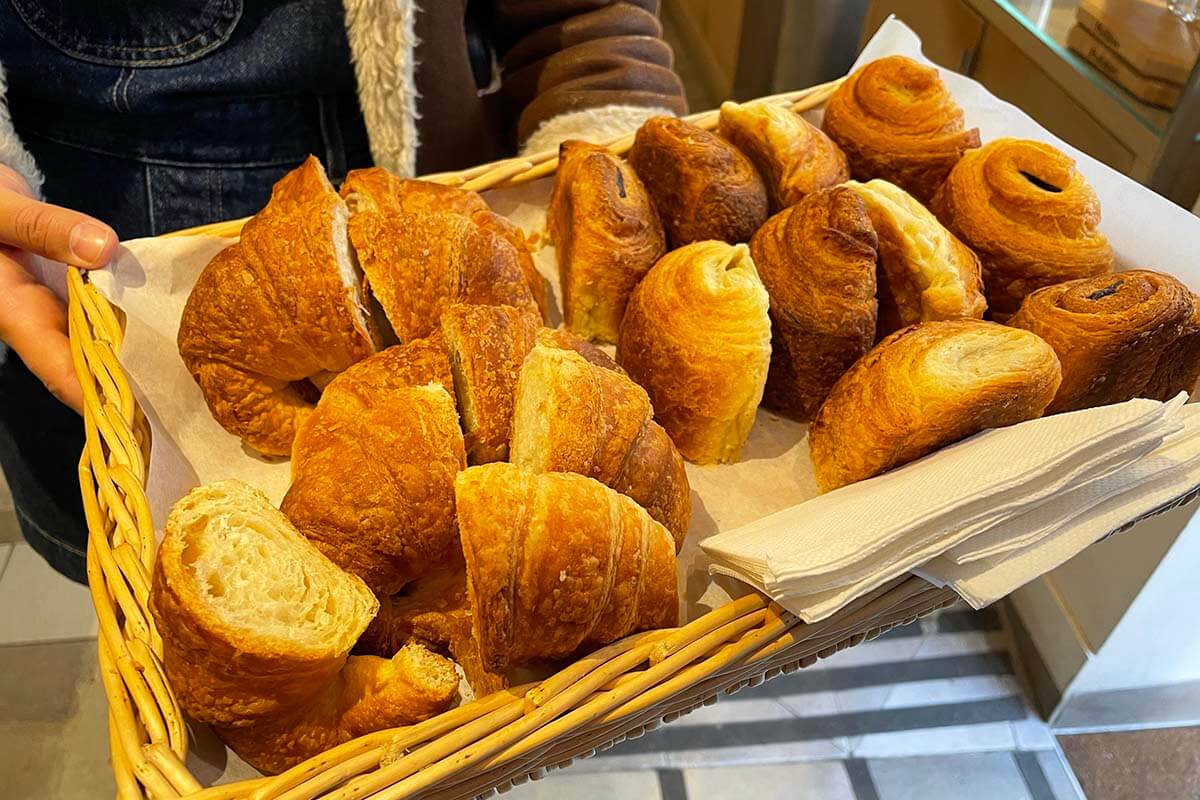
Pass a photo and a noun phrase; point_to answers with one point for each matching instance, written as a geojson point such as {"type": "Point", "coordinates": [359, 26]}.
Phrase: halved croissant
{"type": "Point", "coordinates": [256, 625]}
{"type": "Point", "coordinates": [557, 562]}
{"type": "Point", "coordinates": [793, 157]}
{"type": "Point", "coordinates": [373, 468]}
{"type": "Point", "coordinates": [280, 306]}
{"type": "Point", "coordinates": [926, 272]}
{"type": "Point", "coordinates": [696, 336]}
{"type": "Point", "coordinates": [606, 236]}
{"type": "Point", "coordinates": [487, 345]}
{"type": "Point", "coordinates": [817, 262]}
{"type": "Point", "coordinates": [417, 263]}
{"type": "Point", "coordinates": [1115, 336]}
{"type": "Point", "coordinates": [435, 611]}
{"type": "Point", "coordinates": [703, 187]}
{"type": "Point", "coordinates": [376, 188]}
{"type": "Point", "coordinates": [573, 416]}
{"type": "Point", "coordinates": [1028, 214]}
{"type": "Point", "coordinates": [894, 119]}
{"type": "Point", "coordinates": [924, 387]}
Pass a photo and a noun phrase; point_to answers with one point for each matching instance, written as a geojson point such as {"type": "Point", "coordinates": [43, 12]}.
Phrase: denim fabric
{"type": "Point", "coordinates": [155, 116]}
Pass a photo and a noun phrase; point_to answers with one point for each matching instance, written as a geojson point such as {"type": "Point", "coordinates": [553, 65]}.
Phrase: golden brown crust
{"type": "Point", "coordinates": [924, 387]}
{"type": "Point", "coordinates": [487, 345]}
{"type": "Point", "coordinates": [1114, 334]}
{"type": "Point", "coordinates": [434, 611]}
{"type": "Point", "coordinates": [372, 472]}
{"type": "Point", "coordinates": [369, 694]}
{"type": "Point", "coordinates": [1028, 214]}
{"type": "Point", "coordinates": [273, 310]}
{"type": "Point", "coordinates": [1178, 368]}
{"type": "Point", "coordinates": [928, 273]}
{"type": "Point", "coordinates": [256, 625]}
{"type": "Point", "coordinates": [817, 262]}
{"type": "Point", "coordinates": [573, 416]}
{"type": "Point", "coordinates": [606, 236]}
{"type": "Point", "coordinates": [793, 157]}
{"type": "Point", "coordinates": [557, 562]}
{"type": "Point", "coordinates": [697, 337]}
{"type": "Point", "coordinates": [703, 187]}
{"type": "Point", "coordinates": [376, 188]}
{"type": "Point", "coordinates": [894, 119]}
{"type": "Point", "coordinates": [565, 340]}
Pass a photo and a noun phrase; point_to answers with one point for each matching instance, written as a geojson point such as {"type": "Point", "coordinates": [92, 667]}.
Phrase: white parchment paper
{"type": "Point", "coordinates": [152, 277]}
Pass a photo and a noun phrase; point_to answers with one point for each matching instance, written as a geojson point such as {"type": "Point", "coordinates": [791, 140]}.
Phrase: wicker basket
{"type": "Point", "coordinates": [615, 693]}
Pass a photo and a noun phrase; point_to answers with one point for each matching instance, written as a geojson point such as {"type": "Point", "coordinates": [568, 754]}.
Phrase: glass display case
{"type": "Point", "coordinates": [1018, 49]}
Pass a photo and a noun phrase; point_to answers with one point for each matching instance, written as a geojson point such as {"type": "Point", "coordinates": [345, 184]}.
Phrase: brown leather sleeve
{"type": "Point", "coordinates": [571, 55]}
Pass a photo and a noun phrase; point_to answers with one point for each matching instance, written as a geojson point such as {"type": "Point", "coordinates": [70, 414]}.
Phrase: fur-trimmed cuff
{"type": "Point", "coordinates": [12, 153]}
{"type": "Point", "coordinates": [382, 43]}
{"type": "Point", "coordinates": [591, 124]}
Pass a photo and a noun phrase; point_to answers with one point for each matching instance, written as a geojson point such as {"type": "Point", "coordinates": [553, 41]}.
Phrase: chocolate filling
{"type": "Point", "coordinates": [1112, 288]}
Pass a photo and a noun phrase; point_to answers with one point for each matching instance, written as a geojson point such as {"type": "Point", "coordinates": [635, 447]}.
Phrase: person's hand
{"type": "Point", "coordinates": [33, 320]}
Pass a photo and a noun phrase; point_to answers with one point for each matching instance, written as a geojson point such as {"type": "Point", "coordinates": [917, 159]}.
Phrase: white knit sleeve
{"type": "Point", "coordinates": [597, 125]}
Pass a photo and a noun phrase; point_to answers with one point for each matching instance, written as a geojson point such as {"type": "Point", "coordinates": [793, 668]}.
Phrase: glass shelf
{"type": "Point", "coordinates": [1051, 21]}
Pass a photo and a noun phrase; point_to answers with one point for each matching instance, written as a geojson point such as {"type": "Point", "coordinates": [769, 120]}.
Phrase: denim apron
{"type": "Point", "coordinates": [155, 116]}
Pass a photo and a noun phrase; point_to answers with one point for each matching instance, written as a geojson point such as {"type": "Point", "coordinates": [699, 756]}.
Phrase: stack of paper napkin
{"type": "Point", "coordinates": [983, 516]}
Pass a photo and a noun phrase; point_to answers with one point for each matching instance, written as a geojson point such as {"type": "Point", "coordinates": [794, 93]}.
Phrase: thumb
{"type": "Point", "coordinates": [54, 232]}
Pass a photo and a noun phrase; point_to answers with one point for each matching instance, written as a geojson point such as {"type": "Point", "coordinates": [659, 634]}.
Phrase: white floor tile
{"type": "Point", "coordinates": [965, 643]}
{"type": "Point", "coordinates": [984, 737]}
{"type": "Point", "coordinates": [878, 651]}
{"type": "Point", "coordinates": [572, 785]}
{"type": "Point", "coordinates": [811, 704]}
{"type": "Point", "coordinates": [826, 780]}
{"type": "Point", "coordinates": [1032, 734]}
{"type": "Point", "coordinates": [39, 605]}
{"type": "Point", "coordinates": [952, 690]}
{"type": "Point", "coordinates": [864, 698]}
{"type": "Point", "coordinates": [783, 752]}
{"type": "Point", "coordinates": [736, 709]}
{"type": "Point", "coordinates": [978, 776]}
{"type": "Point", "coordinates": [5, 555]}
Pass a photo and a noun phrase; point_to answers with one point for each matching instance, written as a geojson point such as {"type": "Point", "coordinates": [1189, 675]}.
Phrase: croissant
{"type": "Point", "coordinates": [1028, 214]}
{"type": "Point", "coordinates": [817, 262]}
{"type": "Point", "coordinates": [697, 337]}
{"type": "Point", "coordinates": [924, 387]}
{"type": "Point", "coordinates": [793, 157]}
{"type": "Point", "coordinates": [487, 345]}
{"type": "Point", "coordinates": [433, 611]}
{"type": "Point", "coordinates": [606, 236]}
{"type": "Point", "coordinates": [417, 264]}
{"type": "Point", "coordinates": [558, 562]}
{"type": "Point", "coordinates": [928, 274]}
{"type": "Point", "coordinates": [894, 119]}
{"type": "Point", "coordinates": [256, 625]}
{"type": "Point", "coordinates": [280, 306]}
{"type": "Point", "coordinates": [377, 188]}
{"type": "Point", "coordinates": [1113, 334]}
{"type": "Point", "coordinates": [573, 416]}
{"type": "Point", "coordinates": [703, 187]}
{"type": "Point", "coordinates": [373, 470]}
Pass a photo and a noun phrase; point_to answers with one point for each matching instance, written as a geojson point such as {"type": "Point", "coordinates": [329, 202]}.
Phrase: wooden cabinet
{"type": "Point", "coordinates": [950, 31]}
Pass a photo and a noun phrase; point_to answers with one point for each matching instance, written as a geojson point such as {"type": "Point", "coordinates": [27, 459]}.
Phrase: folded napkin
{"type": "Point", "coordinates": [817, 556]}
{"type": "Point", "coordinates": [1163, 479]}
